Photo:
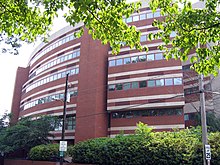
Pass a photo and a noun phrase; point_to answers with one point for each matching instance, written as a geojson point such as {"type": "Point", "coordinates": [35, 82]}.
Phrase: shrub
{"type": "Point", "coordinates": [44, 152]}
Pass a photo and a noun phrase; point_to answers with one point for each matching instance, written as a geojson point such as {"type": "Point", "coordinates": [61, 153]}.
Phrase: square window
{"type": "Point", "coordinates": [142, 58]}
{"type": "Point", "coordinates": [160, 82]}
{"type": "Point", "coordinates": [111, 87]}
{"type": "Point", "coordinates": [143, 16]}
{"type": "Point", "coordinates": [77, 53]}
{"type": "Point", "coordinates": [63, 74]}
{"type": "Point", "coordinates": [158, 56]}
{"type": "Point", "coordinates": [136, 18]}
{"type": "Point", "coordinates": [168, 81]}
{"type": "Point", "coordinates": [150, 57]}
{"type": "Point", "coordinates": [77, 70]}
{"type": "Point", "coordinates": [134, 85]}
{"type": "Point", "coordinates": [157, 14]}
{"type": "Point", "coordinates": [118, 86]}
{"type": "Point", "coordinates": [143, 38]}
{"type": "Point", "coordinates": [118, 62]}
{"type": "Point", "coordinates": [129, 19]}
{"type": "Point", "coordinates": [73, 71]}
{"type": "Point", "coordinates": [134, 59]}
{"type": "Point", "coordinates": [111, 63]}
{"type": "Point", "coordinates": [74, 54]}
{"type": "Point", "coordinates": [126, 86]}
{"type": "Point", "coordinates": [177, 81]}
{"type": "Point", "coordinates": [149, 15]}
{"type": "Point", "coordinates": [51, 78]}
{"type": "Point", "coordinates": [59, 76]}
{"type": "Point", "coordinates": [151, 83]}
{"type": "Point", "coordinates": [127, 60]}
{"type": "Point", "coordinates": [142, 84]}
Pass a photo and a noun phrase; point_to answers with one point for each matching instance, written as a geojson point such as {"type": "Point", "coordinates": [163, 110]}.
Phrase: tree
{"type": "Point", "coordinates": [26, 134]}
{"type": "Point", "coordinates": [192, 26]}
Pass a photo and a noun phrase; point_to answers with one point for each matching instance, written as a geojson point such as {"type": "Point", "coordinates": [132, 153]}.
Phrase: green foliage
{"type": "Point", "coordinates": [143, 130]}
{"type": "Point", "coordinates": [192, 26]}
{"type": "Point", "coordinates": [182, 147]}
{"type": "Point", "coordinates": [44, 152]}
{"type": "Point", "coordinates": [26, 134]}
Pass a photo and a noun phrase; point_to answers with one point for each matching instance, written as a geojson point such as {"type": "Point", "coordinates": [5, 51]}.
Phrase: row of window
{"type": "Point", "coordinates": [136, 59]}
{"type": "Point", "coordinates": [58, 60]}
{"type": "Point", "coordinates": [142, 17]}
{"type": "Point", "coordinates": [48, 99]}
{"type": "Point", "coordinates": [143, 84]}
{"type": "Point", "coordinates": [70, 123]}
{"type": "Point", "coordinates": [53, 78]}
{"type": "Point", "coordinates": [148, 112]}
{"type": "Point", "coordinates": [53, 46]}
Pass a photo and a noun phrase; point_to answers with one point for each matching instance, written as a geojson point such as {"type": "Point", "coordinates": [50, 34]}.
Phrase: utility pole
{"type": "Point", "coordinates": [64, 116]}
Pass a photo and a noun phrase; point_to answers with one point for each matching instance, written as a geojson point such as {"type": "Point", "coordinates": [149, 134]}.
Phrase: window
{"type": "Point", "coordinates": [142, 84]}
{"type": "Point", "coordinates": [111, 87]}
{"type": "Point", "coordinates": [118, 86]}
{"type": "Point", "coordinates": [136, 18]}
{"type": "Point", "coordinates": [157, 14]}
{"type": "Point", "coordinates": [71, 122]}
{"type": "Point", "coordinates": [142, 58]}
{"type": "Point", "coordinates": [126, 86]}
{"type": "Point", "coordinates": [119, 62]}
{"type": "Point", "coordinates": [158, 56]}
{"type": "Point", "coordinates": [160, 82]}
{"type": "Point", "coordinates": [150, 57]}
{"type": "Point", "coordinates": [127, 60]}
{"type": "Point", "coordinates": [142, 16]}
{"type": "Point", "coordinates": [149, 15]}
{"type": "Point", "coordinates": [134, 85]}
{"type": "Point", "coordinates": [134, 59]}
{"type": "Point", "coordinates": [129, 19]}
{"type": "Point", "coordinates": [151, 83]}
{"type": "Point", "coordinates": [168, 81]}
{"type": "Point", "coordinates": [143, 38]}
{"type": "Point", "coordinates": [177, 81]}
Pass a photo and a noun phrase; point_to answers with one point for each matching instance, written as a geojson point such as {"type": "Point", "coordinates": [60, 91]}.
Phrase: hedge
{"type": "Point", "coordinates": [49, 152]}
{"type": "Point", "coordinates": [179, 147]}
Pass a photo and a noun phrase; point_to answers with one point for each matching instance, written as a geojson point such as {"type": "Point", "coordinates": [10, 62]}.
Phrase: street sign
{"type": "Point", "coordinates": [207, 152]}
{"type": "Point", "coordinates": [63, 146]}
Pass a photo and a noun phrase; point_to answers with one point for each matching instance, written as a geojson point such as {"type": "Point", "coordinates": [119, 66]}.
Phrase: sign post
{"type": "Point", "coordinates": [208, 153]}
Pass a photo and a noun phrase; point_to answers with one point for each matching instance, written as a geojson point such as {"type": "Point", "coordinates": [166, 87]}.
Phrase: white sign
{"type": "Point", "coordinates": [207, 152]}
{"type": "Point", "coordinates": [63, 146]}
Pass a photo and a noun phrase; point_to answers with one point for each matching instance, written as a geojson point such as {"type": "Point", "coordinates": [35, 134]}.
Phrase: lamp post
{"type": "Point", "coordinates": [64, 116]}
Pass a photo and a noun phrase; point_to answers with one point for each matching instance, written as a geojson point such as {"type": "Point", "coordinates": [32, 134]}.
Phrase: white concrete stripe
{"type": "Point", "coordinates": [48, 89]}
{"type": "Point", "coordinates": [145, 78]}
{"type": "Point", "coordinates": [48, 110]}
{"type": "Point", "coordinates": [147, 105]}
{"type": "Point", "coordinates": [126, 128]}
{"type": "Point", "coordinates": [145, 97]}
{"type": "Point", "coordinates": [55, 54]}
{"type": "Point", "coordinates": [61, 113]}
{"type": "Point", "coordinates": [145, 71]}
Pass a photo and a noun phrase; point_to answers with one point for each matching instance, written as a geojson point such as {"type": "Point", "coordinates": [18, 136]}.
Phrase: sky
{"type": "Point", "coordinates": [9, 64]}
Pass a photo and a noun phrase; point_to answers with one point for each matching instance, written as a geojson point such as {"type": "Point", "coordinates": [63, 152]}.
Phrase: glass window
{"type": "Point", "coordinates": [119, 62]}
{"type": "Point", "coordinates": [149, 15]}
{"type": "Point", "coordinates": [168, 81]}
{"type": "Point", "coordinates": [111, 87]}
{"type": "Point", "coordinates": [58, 75]}
{"type": "Point", "coordinates": [143, 38]}
{"type": "Point", "coordinates": [142, 58]}
{"type": "Point", "coordinates": [142, 84]}
{"type": "Point", "coordinates": [126, 86]}
{"type": "Point", "coordinates": [177, 81]}
{"type": "Point", "coordinates": [134, 59]}
{"type": "Point", "coordinates": [63, 74]}
{"type": "Point", "coordinates": [157, 14]}
{"type": "Point", "coordinates": [136, 18]}
{"type": "Point", "coordinates": [134, 85]}
{"type": "Point", "coordinates": [186, 117]}
{"type": "Point", "coordinates": [77, 70]}
{"type": "Point", "coordinates": [129, 19]}
{"type": "Point", "coordinates": [142, 16]}
{"type": "Point", "coordinates": [51, 78]}
{"type": "Point", "coordinates": [150, 57]}
{"type": "Point", "coordinates": [74, 54]}
{"type": "Point", "coordinates": [127, 60]}
{"type": "Point", "coordinates": [73, 71]}
{"type": "Point", "coordinates": [118, 86]}
{"type": "Point", "coordinates": [158, 56]}
{"type": "Point", "coordinates": [111, 63]}
{"type": "Point", "coordinates": [78, 53]}
{"type": "Point", "coordinates": [151, 83]}
{"type": "Point", "coordinates": [160, 82]}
